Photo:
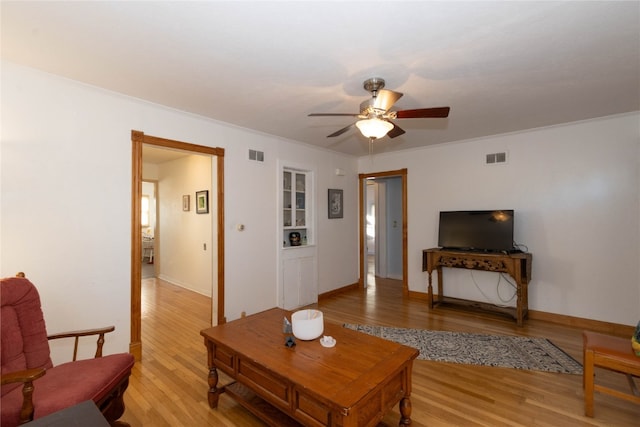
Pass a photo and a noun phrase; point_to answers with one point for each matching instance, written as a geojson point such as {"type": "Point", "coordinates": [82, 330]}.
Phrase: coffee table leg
{"type": "Point", "coordinates": [405, 411]}
{"type": "Point", "coordinates": [213, 393]}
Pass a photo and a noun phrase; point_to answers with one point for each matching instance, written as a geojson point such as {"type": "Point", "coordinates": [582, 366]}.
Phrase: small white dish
{"type": "Point", "coordinates": [327, 341]}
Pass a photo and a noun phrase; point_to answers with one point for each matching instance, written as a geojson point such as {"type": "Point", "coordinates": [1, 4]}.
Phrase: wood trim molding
{"type": "Point", "coordinates": [338, 291]}
{"type": "Point", "coordinates": [584, 323]}
{"type": "Point", "coordinates": [138, 138]}
{"type": "Point", "coordinates": [135, 346]}
{"type": "Point", "coordinates": [170, 143]}
{"type": "Point", "coordinates": [561, 319]}
{"type": "Point", "coordinates": [361, 232]}
{"type": "Point", "coordinates": [402, 173]}
{"type": "Point", "coordinates": [220, 188]}
{"type": "Point", "coordinates": [405, 235]}
{"type": "Point", "coordinates": [419, 296]}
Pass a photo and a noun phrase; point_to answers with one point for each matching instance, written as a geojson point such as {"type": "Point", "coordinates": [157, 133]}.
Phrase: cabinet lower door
{"type": "Point", "coordinates": [300, 284]}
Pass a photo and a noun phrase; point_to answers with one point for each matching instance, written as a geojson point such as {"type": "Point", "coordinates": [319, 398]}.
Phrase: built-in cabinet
{"type": "Point", "coordinates": [299, 278]}
{"type": "Point", "coordinates": [298, 254]}
{"type": "Point", "coordinates": [296, 208]}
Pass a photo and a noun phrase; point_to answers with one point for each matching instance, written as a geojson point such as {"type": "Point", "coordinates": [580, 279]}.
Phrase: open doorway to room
{"type": "Point", "coordinates": [212, 219]}
{"type": "Point", "coordinates": [148, 223]}
{"type": "Point", "coordinates": [383, 227]}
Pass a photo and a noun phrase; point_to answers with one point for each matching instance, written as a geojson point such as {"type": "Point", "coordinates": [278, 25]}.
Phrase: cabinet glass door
{"type": "Point", "coordinates": [295, 208]}
{"type": "Point", "coordinates": [300, 200]}
{"type": "Point", "coordinates": [286, 199]}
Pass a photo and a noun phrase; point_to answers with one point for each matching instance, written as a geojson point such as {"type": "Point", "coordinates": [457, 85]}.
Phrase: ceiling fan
{"type": "Point", "coordinates": [375, 115]}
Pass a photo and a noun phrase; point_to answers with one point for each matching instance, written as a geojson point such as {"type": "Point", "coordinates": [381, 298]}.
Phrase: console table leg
{"type": "Point", "coordinates": [519, 311]}
{"type": "Point", "coordinates": [405, 411]}
{"type": "Point", "coordinates": [214, 392]}
{"type": "Point", "coordinates": [440, 284]}
{"type": "Point", "coordinates": [430, 291]}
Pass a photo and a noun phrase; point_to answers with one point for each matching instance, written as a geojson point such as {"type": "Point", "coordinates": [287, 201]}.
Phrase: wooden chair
{"type": "Point", "coordinates": [612, 353]}
{"type": "Point", "coordinates": [47, 389]}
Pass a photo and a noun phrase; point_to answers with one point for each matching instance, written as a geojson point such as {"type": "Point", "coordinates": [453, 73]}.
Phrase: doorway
{"type": "Point", "coordinates": [138, 139]}
{"type": "Point", "coordinates": [383, 226]}
{"type": "Point", "coordinates": [149, 224]}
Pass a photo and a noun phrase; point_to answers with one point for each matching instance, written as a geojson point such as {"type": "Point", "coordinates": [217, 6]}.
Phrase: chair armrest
{"type": "Point", "coordinates": [83, 333]}
{"type": "Point", "coordinates": [28, 375]}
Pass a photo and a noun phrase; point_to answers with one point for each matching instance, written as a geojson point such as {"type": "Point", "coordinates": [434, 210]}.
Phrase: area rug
{"type": "Point", "coordinates": [538, 354]}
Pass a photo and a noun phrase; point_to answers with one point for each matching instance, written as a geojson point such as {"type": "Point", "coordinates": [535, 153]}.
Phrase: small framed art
{"type": "Point", "coordinates": [185, 203]}
{"type": "Point", "coordinates": [335, 203]}
{"type": "Point", "coordinates": [202, 201]}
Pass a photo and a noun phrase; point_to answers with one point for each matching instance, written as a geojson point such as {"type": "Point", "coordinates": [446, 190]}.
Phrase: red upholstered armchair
{"type": "Point", "coordinates": [31, 386]}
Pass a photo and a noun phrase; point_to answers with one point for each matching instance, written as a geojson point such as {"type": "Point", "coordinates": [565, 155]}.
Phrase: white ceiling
{"type": "Point", "coordinates": [501, 66]}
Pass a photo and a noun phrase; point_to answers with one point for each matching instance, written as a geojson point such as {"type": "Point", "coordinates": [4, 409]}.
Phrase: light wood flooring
{"type": "Point", "coordinates": [168, 387]}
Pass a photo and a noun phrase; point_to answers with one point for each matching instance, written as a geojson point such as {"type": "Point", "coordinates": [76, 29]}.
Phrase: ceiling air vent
{"type": "Point", "coordinates": [494, 158]}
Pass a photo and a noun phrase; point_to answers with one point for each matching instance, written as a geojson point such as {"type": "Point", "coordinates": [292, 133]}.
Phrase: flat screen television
{"type": "Point", "coordinates": [490, 231]}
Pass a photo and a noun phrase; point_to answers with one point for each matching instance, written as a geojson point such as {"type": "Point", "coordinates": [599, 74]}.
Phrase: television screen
{"type": "Point", "coordinates": [477, 230]}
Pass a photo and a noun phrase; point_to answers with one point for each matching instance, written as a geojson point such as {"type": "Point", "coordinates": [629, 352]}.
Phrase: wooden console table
{"type": "Point", "coordinates": [517, 265]}
{"type": "Point", "coordinates": [350, 385]}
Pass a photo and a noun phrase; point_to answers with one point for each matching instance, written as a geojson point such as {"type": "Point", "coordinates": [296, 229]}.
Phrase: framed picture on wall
{"type": "Point", "coordinates": [335, 203]}
{"type": "Point", "coordinates": [202, 201]}
{"type": "Point", "coordinates": [185, 203]}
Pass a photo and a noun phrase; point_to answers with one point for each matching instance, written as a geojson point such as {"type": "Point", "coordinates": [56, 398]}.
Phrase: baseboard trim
{"type": "Point", "coordinates": [419, 295]}
{"type": "Point", "coordinates": [179, 284]}
{"type": "Point", "coordinates": [561, 319]}
{"type": "Point", "coordinates": [584, 323]}
{"type": "Point", "coordinates": [338, 291]}
{"type": "Point", "coordinates": [135, 348]}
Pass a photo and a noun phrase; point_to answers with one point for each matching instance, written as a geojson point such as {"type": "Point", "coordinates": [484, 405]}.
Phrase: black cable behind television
{"type": "Point", "coordinates": [486, 231]}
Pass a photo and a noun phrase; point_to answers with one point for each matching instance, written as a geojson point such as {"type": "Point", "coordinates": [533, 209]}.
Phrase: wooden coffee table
{"type": "Point", "coordinates": [352, 384]}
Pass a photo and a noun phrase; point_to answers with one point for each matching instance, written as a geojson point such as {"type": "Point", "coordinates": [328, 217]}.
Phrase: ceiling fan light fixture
{"type": "Point", "coordinates": [374, 128]}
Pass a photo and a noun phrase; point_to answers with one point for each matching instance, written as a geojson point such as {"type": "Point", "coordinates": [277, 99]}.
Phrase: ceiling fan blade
{"type": "Point", "coordinates": [341, 131]}
{"type": "Point", "coordinates": [385, 99]}
{"type": "Point", "coordinates": [332, 114]}
{"type": "Point", "coordinates": [396, 131]}
{"type": "Point", "coordinates": [423, 113]}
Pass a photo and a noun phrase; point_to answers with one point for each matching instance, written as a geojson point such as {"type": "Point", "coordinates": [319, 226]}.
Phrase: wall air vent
{"type": "Point", "coordinates": [256, 155]}
{"type": "Point", "coordinates": [495, 158]}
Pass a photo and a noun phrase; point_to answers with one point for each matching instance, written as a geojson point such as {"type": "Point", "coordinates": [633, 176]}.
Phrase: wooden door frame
{"type": "Point", "coordinates": [138, 138]}
{"type": "Point", "coordinates": [402, 173]}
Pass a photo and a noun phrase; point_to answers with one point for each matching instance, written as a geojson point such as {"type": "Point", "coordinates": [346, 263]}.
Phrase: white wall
{"type": "Point", "coordinates": [66, 201]}
{"type": "Point", "coordinates": [576, 192]}
{"type": "Point", "coordinates": [184, 235]}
